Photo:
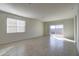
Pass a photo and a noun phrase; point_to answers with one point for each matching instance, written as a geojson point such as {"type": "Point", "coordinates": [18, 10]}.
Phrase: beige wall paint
{"type": "Point", "coordinates": [78, 29]}
{"type": "Point", "coordinates": [34, 28]}
{"type": "Point", "coordinates": [68, 27]}
{"type": "Point", "coordinates": [75, 28]}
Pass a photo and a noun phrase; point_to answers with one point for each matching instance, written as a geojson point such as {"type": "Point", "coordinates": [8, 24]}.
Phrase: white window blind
{"type": "Point", "coordinates": [14, 25]}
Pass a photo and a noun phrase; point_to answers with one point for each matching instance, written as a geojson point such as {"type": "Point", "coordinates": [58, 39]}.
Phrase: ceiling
{"type": "Point", "coordinates": [40, 11]}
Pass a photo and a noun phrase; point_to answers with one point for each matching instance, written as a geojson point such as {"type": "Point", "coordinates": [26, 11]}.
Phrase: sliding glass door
{"type": "Point", "coordinates": [57, 30]}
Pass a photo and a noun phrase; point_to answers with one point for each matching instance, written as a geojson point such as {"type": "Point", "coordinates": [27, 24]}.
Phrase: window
{"type": "Point", "coordinates": [56, 29]}
{"type": "Point", "coordinates": [14, 25]}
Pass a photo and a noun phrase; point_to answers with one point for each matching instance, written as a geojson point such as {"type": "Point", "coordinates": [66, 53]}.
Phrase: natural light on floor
{"type": "Point", "coordinates": [60, 37]}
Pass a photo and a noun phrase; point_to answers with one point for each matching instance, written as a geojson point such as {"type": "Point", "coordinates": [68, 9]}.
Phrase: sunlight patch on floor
{"type": "Point", "coordinates": [61, 37]}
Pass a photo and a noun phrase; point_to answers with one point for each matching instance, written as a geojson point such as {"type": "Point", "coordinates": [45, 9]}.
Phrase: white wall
{"type": "Point", "coordinates": [34, 28]}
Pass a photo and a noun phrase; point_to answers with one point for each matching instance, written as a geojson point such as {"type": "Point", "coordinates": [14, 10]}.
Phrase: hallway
{"type": "Point", "coordinates": [42, 46]}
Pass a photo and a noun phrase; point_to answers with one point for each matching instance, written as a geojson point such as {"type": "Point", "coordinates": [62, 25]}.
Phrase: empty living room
{"type": "Point", "coordinates": [39, 29]}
